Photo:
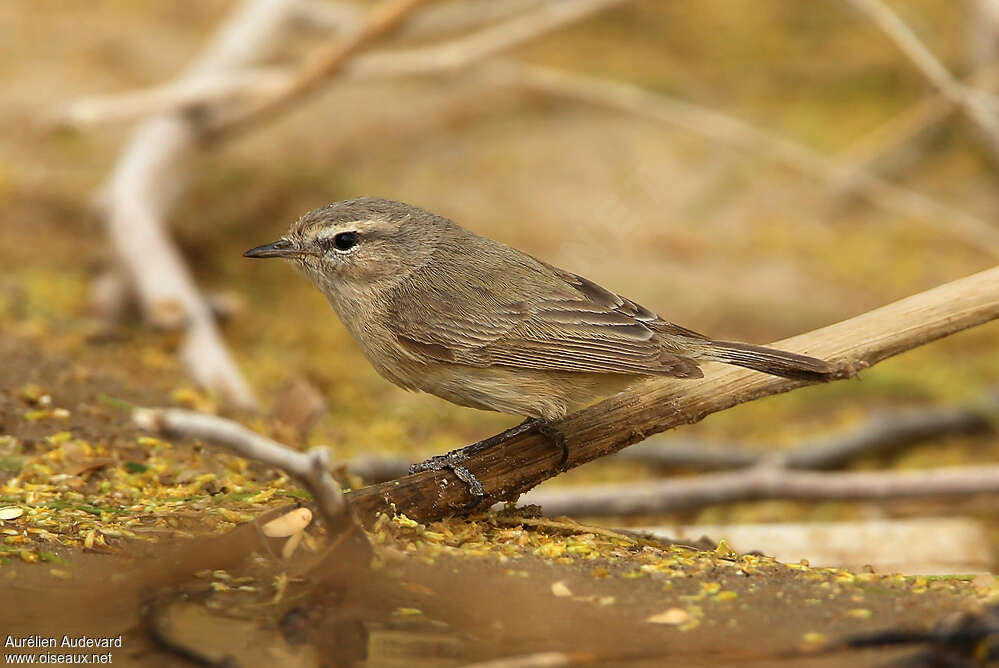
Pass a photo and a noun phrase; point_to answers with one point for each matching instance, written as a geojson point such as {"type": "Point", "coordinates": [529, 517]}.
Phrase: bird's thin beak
{"type": "Point", "coordinates": [280, 248]}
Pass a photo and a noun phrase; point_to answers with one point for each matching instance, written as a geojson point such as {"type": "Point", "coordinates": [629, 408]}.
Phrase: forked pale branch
{"type": "Point", "coordinates": [312, 468]}
{"type": "Point", "coordinates": [148, 178]}
{"type": "Point", "coordinates": [146, 182]}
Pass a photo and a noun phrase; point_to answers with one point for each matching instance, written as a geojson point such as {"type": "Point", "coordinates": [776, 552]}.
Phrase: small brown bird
{"type": "Point", "coordinates": [440, 309]}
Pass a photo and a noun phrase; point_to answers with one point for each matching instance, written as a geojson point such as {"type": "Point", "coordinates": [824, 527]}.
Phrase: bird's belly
{"type": "Point", "coordinates": [526, 392]}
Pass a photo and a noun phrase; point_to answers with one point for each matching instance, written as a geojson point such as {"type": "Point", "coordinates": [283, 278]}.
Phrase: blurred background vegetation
{"type": "Point", "coordinates": [720, 240]}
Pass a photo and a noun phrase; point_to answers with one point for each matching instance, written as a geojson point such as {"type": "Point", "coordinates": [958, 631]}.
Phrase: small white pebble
{"type": "Point", "coordinates": [288, 524]}
{"type": "Point", "coordinates": [11, 513]}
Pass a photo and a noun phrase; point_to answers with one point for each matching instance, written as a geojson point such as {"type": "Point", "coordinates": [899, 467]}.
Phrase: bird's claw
{"type": "Point", "coordinates": [452, 461]}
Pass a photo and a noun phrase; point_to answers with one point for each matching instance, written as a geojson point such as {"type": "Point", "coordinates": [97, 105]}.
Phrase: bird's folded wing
{"type": "Point", "coordinates": [584, 328]}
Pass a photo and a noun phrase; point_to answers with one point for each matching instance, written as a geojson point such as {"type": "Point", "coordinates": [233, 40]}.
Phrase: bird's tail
{"type": "Point", "coordinates": [769, 360]}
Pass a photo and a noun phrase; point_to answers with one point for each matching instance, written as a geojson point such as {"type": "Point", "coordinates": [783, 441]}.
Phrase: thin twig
{"type": "Point", "coordinates": [511, 468]}
{"type": "Point", "coordinates": [263, 82]}
{"type": "Point", "coordinates": [971, 101]}
{"type": "Point", "coordinates": [878, 436]}
{"type": "Point", "coordinates": [473, 48]}
{"type": "Point", "coordinates": [763, 482]}
{"type": "Point", "coordinates": [721, 127]}
{"type": "Point", "coordinates": [910, 123]}
{"type": "Point", "coordinates": [447, 17]}
{"type": "Point", "coordinates": [312, 468]}
{"type": "Point", "coordinates": [884, 435]}
{"type": "Point", "coordinates": [318, 68]}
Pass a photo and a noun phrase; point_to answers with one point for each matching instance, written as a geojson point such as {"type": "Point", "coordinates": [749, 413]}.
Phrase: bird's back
{"type": "Point", "coordinates": [477, 302]}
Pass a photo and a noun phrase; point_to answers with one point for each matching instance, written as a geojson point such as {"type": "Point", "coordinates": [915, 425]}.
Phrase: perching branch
{"type": "Point", "coordinates": [312, 468]}
{"type": "Point", "coordinates": [512, 468]}
{"type": "Point", "coordinates": [879, 436]}
{"type": "Point", "coordinates": [975, 103]}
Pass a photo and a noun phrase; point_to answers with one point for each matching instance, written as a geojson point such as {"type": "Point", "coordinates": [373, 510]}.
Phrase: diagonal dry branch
{"type": "Point", "coordinates": [475, 47]}
{"type": "Point", "coordinates": [143, 188]}
{"type": "Point", "coordinates": [514, 467]}
{"type": "Point", "coordinates": [712, 124]}
{"type": "Point", "coordinates": [879, 436]}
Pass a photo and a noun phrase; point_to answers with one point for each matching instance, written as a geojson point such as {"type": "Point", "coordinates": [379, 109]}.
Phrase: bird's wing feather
{"type": "Point", "coordinates": [563, 323]}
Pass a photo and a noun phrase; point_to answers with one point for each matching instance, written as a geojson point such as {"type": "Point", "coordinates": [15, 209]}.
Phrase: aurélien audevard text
{"type": "Point", "coordinates": [65, 642]}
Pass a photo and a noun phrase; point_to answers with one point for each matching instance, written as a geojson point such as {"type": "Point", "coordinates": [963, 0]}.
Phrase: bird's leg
{"type": "Point", "coordinates": [454, 460]}
{"type": "Point", "coordinates": [555, 437]}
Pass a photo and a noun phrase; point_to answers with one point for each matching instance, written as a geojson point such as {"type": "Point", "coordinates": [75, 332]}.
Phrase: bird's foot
{"type": "Point", "coordinates": [454, 461]}
{"type": "Point", "coordinates": [556, 438]}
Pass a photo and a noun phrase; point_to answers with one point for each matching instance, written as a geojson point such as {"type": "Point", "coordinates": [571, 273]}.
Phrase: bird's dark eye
{"type": "Point", "coordinates": [344, 241]}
